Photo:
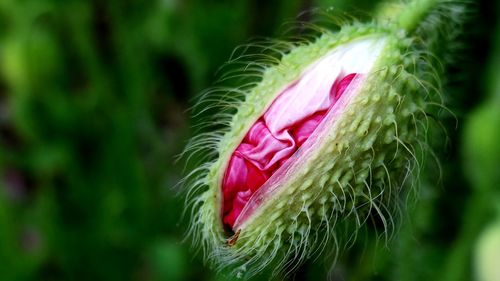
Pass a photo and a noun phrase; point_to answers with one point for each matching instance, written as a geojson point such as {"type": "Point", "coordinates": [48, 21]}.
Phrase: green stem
{"type": "Point", "coordinates": [414, 13]}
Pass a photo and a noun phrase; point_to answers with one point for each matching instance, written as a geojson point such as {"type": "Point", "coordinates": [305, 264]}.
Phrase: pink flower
{"type": "Point", "coordinates": [277, 135]}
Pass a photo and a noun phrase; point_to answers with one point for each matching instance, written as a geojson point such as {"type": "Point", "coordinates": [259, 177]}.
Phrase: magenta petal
{"type": "Point", "coordinates": [276, 136]}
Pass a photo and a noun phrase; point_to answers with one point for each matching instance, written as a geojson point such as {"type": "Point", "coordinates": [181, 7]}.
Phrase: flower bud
{"type": "Point", "coordinates": [332, 132]}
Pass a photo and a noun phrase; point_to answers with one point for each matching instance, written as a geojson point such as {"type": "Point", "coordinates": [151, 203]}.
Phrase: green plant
{"type": "Point", "coordinates": [356, 165]}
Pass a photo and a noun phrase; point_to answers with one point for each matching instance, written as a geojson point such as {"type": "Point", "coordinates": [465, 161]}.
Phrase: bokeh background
{"type": "Point", "coordinates": [93, 109]}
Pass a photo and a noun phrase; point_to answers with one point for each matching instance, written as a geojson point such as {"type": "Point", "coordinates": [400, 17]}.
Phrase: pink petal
{"type": "Point", "coordinates": [275, 137]}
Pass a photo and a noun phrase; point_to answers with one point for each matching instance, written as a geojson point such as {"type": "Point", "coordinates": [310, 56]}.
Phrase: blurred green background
{"type": "Point", "coordinates": [93, 109]}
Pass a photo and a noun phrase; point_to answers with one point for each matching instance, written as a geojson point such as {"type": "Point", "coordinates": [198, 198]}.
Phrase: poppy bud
{"type": "Point", "coordinates": [332, 131]}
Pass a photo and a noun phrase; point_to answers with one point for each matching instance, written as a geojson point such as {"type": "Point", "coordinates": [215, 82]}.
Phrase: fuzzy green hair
{"type": "Point", "coordinates": [358, 168]}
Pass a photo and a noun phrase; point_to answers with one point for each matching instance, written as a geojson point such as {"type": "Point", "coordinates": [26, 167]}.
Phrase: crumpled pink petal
{"type": "Point", "coordinates": [273, 139]}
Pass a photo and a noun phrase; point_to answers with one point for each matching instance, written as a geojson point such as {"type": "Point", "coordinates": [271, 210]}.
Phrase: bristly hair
{"type": "Point", "coordinates": [332, 221]}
